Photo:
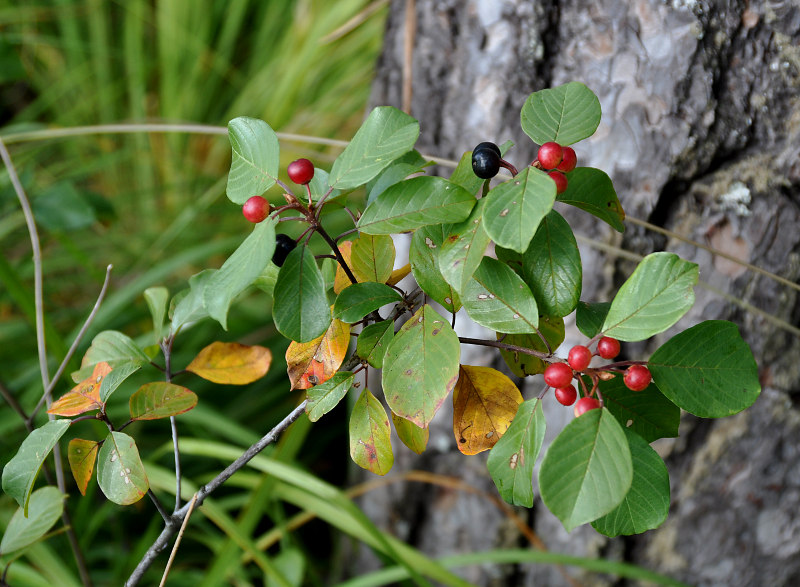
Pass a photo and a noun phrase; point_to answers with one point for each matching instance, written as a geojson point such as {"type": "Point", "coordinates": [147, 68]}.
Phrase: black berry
{"type": "Point", "coordinates": [488, 145]}
{"type": "Point", "coordinates": [284, 244]}
{"type": "Point", "coordinates": [486, 161]}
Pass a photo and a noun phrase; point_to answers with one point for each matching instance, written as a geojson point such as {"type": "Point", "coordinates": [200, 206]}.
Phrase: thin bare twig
{"type": "Point", "coordinates": [408, 54]}
{"type": "Point", "coordinates": [12, 401]}
{"type": "Point", "coordinates": [178, 541]}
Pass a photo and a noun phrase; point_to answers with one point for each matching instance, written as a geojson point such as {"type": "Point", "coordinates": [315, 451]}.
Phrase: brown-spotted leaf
{"type": "Point", "coordinates": [82, 455]}
{"type": "Point", "coordinates": [161, 400]}
{"type": "Point", "coordinates": [341, 281]}
{"type": "Point", "coordinates": [371, 435]}
{"type": "Point", "coordinates": [484, 404]}
{"type": "Point", "coordinates": [410, 434]}
{"type": "Point", "coordinates": [84, 397]}
{"type": "Point", "coordinates": [231, 363]}
{"type": "Point", "coordinates": [314, 362]}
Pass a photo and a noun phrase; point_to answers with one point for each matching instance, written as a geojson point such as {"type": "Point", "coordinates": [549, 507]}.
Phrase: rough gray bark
{"type": "Point", "coordinates": [701, 135]}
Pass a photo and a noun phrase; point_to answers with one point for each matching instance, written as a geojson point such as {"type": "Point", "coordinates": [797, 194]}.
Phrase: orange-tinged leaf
{"type": "Point", "coordinates": [341, 281]}
{"type": "Point", "coordinates": [312, 363]}
{"type": "Point", "coordinates": [231, 363]}
{"type": "Point", "coordinates": [484, 403]}
{"type": "Point", "coordinates": [399, 274]}
{"type": "Point", "coordinates": [84, 397]}
{"type": "Point", "coordinates": [82, 455]}
{"type": "Point", "coordinates": [161, 400]}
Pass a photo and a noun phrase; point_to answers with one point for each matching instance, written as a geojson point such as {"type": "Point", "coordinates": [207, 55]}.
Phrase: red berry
{"type": "Point", "coordinates": [558, 375]}
{"type": "Point", "coordinates": [560, 179]}
{"type": "Point", "coordinates": [566, 396]}
{"type": "Point", "coordinates": [585, 404]}
{"type": "Point", "coordinates": [637, 377]}
{"type": "Point", "coordinates": [579, 357]}
{"type": "Point", "coordinates": [256, 209]}
{"type": "Point", "coordinates": [550, 155]}
{"type": "Point", "coordinates": [608, 347]}
{"type": "Point", "coordinates": [569, 161]}
{"type": "Point", "coordinates": [301, 171]}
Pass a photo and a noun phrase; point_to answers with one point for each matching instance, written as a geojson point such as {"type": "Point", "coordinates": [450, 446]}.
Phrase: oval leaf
{"type": "Point", "coordinates": [82, 455]}
{"type": "Point", "coordinates": [565, 114]}
{"type": "Point", "coordinates": [657, 294]}
{"type": "Point", "coordinates": [44, 510]}
{"type": "Point", "coordinates": [552, 267]}
{"type": "Point", "coordinates": [498, 299]}
{"type": "Point", "coordinates": [20, 472]}
{"type": "Point", "coordinates": [372, 257]}
{"type": "Point", "coordinates": [420, 367]}
{"type": "Point", "coordinates": [187, 306]}
{"type": "Point", "coordinates": [300, 305]}
{"type": "Point", "coordinates": [324, 397]}
{"type": "Point", "coordinates": [591, 190]}
{"type": "Point", "coordinates": [708, 370]}
{"type": "Point", "coordinates": [512, 459]}
{"type": "Point", "coordinates": [515, 208]}
{"type": "Point", "coordinates": [231, 363]}
{"type": "Point", "coordinates": [314, 362]}
{"type": "Point", "coordinates": [370, 435]}
{"type": "Point", "coordinates": [113, 380]}
{"type": "Point", "coordinates": [410, 434]}
{"type": "Point", "coordinates": [84, 397]}
{"type": "Point", "coordinates": [112, 347]}
{"type": "Point", "coordinates": [589, 317]}
{"type": "Point", "coordinates": [373, 340]}
{"type": "Point", "coordinates": [522, 364]}
{"type": "Point", "coordinates": [360, 299]}
{"type": "Point", "coordinates": [254, 160]}
{"type": "Point", "coordinates": [120, 473]}
{"type": "Point", "coordinates": [462, 250]}
{"type": "Point", "coordinates": [484, 404]}
{"type": "Point", "coordinates": [587, 471]}
{"type": "Point", "coordinates": [239, 271]}
{"type": "Point", "coordinates": [648, 413]}
{"type": "Point", "coordinates": [157, 299]}
{"type": "Point", "coordinates": [386, 134]}
{"type": "Point", "coordinates": [423, 256]}
{"type": "Point", "coordinates": [161, 400]}
{"type": "Point", "coordinates": [646, 504]}
{"type": "Point", "coordinates": [416, 202]}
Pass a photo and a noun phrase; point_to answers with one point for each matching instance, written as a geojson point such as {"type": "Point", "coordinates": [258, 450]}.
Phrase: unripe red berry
{"type": "Point", "coordinates": [566, 396]}
{"type": "Point", "coordinates": [579, 357]}
{"type": "Point", "coordinates": [550, 155]}
{"type": "Point", "coordinates": [256, 209]}
{"type": "Point", "coordinates": [637, 377]}
{"type": "Point", "coordinates": [560, 179]}
{"type": "Point", "coordinates": [569, 160]}
{"type": "Point", "coordinates": [584, 405]}
{"type": "Point", "coordinates": [558, 375]}
{"type": "Point", "coordinates": [608, 347]}
{"type": "Point", "coordinates": [301, 171]}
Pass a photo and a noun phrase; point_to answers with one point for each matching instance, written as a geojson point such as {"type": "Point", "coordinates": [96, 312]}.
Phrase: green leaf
{"type": "Point", "coordinates": [357, 300]}
{"type": "Point", "coordinates": [114, 379]}
{"type": "Point", "coordinates": [511, 258]}
{"type": "Point", "coordinates": [113, 348]}
{"type": "Point", "coordinates": [420, 367]}
{"type": "Point", "coordinates": [300, 305]}
{"type": "Point", "coordinates": [591, 190]}
{"type": "Point", "coordinates": [157, 298]}
{"type": "Point", "coordinates": [324, 397]}
{"type": "Point", "coordinates": [373, 340]}
{"type": "Point", "coordinates": [62, 208]}
{"type": "Point", "coordinates": [371, 435]}
{"type": "Point", "coordinates": [21, 471]}
{"type": "Point", "coordinates": [515, 208]}
{"type": "Point", "coordinates": [319, 186]}
{"type": "Point", "coordinates": [255, 158]}
{"type": "Point", "coordinates": [708, 370]}
{"type": "Point", "coordinates": [44, 509]}
{"type": "Point", "coordinates": [387, 134]}
{"type": "Point", "coordinates": [521, 364]}
{"type": "Point", "coordinates": [655, 297]}
{"type": "Point", "coordinates": [552, 266]}
{"type": "Point", "coordinates": [424, 258]}
{"type": "Point", "coordinates": [372, 257]}
{"type": "Point", "coordinates": [565, 114]}
{"type": "Point", "coordinates": [241, 269]}
{"type": "Point", "coordinates": [648, 413]}
{"type": "Point", "coordinates": [187, 305]}
{"type": "Point", "coordinates": [120, 473]}
{"type": "Point", "coordinates": [409, 164]}
{"type": "Point", "coordinates": [416, 202]}
{"type": "Point", "coordinates": [410, 434]}
{"type": "Point", "coordinates": [462, 250]}
{"type": "Point", "coordinates": [498, 299]}
{"type": "Point", "coordinates": [511, 460]}
{"type": "Point", "coordinates": [646, 505]}
{"type": "Point", "coordinates": [290, 563]}
{"type": "Point", "coordinates": [587, 471]}
{"type": "Point", "coordinates": [589, 317]}
{"type": "Point", "coordinates": [160, 400]}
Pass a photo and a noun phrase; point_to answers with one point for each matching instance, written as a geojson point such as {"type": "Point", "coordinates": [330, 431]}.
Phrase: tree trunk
{"type": "Point", "coordinates": [701, 135]}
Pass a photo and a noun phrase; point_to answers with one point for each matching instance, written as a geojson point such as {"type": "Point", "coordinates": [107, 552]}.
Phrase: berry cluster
{"type": "Point", "coordinates": [560, 375]}
{"type": "Point", "coordinates": [558, 160]}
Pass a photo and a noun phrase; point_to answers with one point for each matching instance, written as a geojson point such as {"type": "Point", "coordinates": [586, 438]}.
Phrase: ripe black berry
{"type": "Point", "coordinates": [486, 161]}
{"type": "Point", "coordinates": [488, 145]}
{"type": "Point", "coordinates": [284, 244]}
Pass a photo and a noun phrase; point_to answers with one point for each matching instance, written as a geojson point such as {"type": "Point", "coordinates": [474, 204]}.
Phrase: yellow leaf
{"type": "Point", "coordinates": [341, 280]}
{"type": "Point", "coordinates": [231, 363]}
{"type": "Point", "coordinates": [312, 363]}
{"type": "Point", "coordinates": [410, 434]}
{"type": "Point", "coordinates": [372, 257]}
{"type": "Point", "coordinates": [82, 455]}
{"type": "Point", "coordinates": [484, 403]}
{"type": "Point", "coordinates": [399, 274]}
{"type": "Point", "coordinates": [84, 397]}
